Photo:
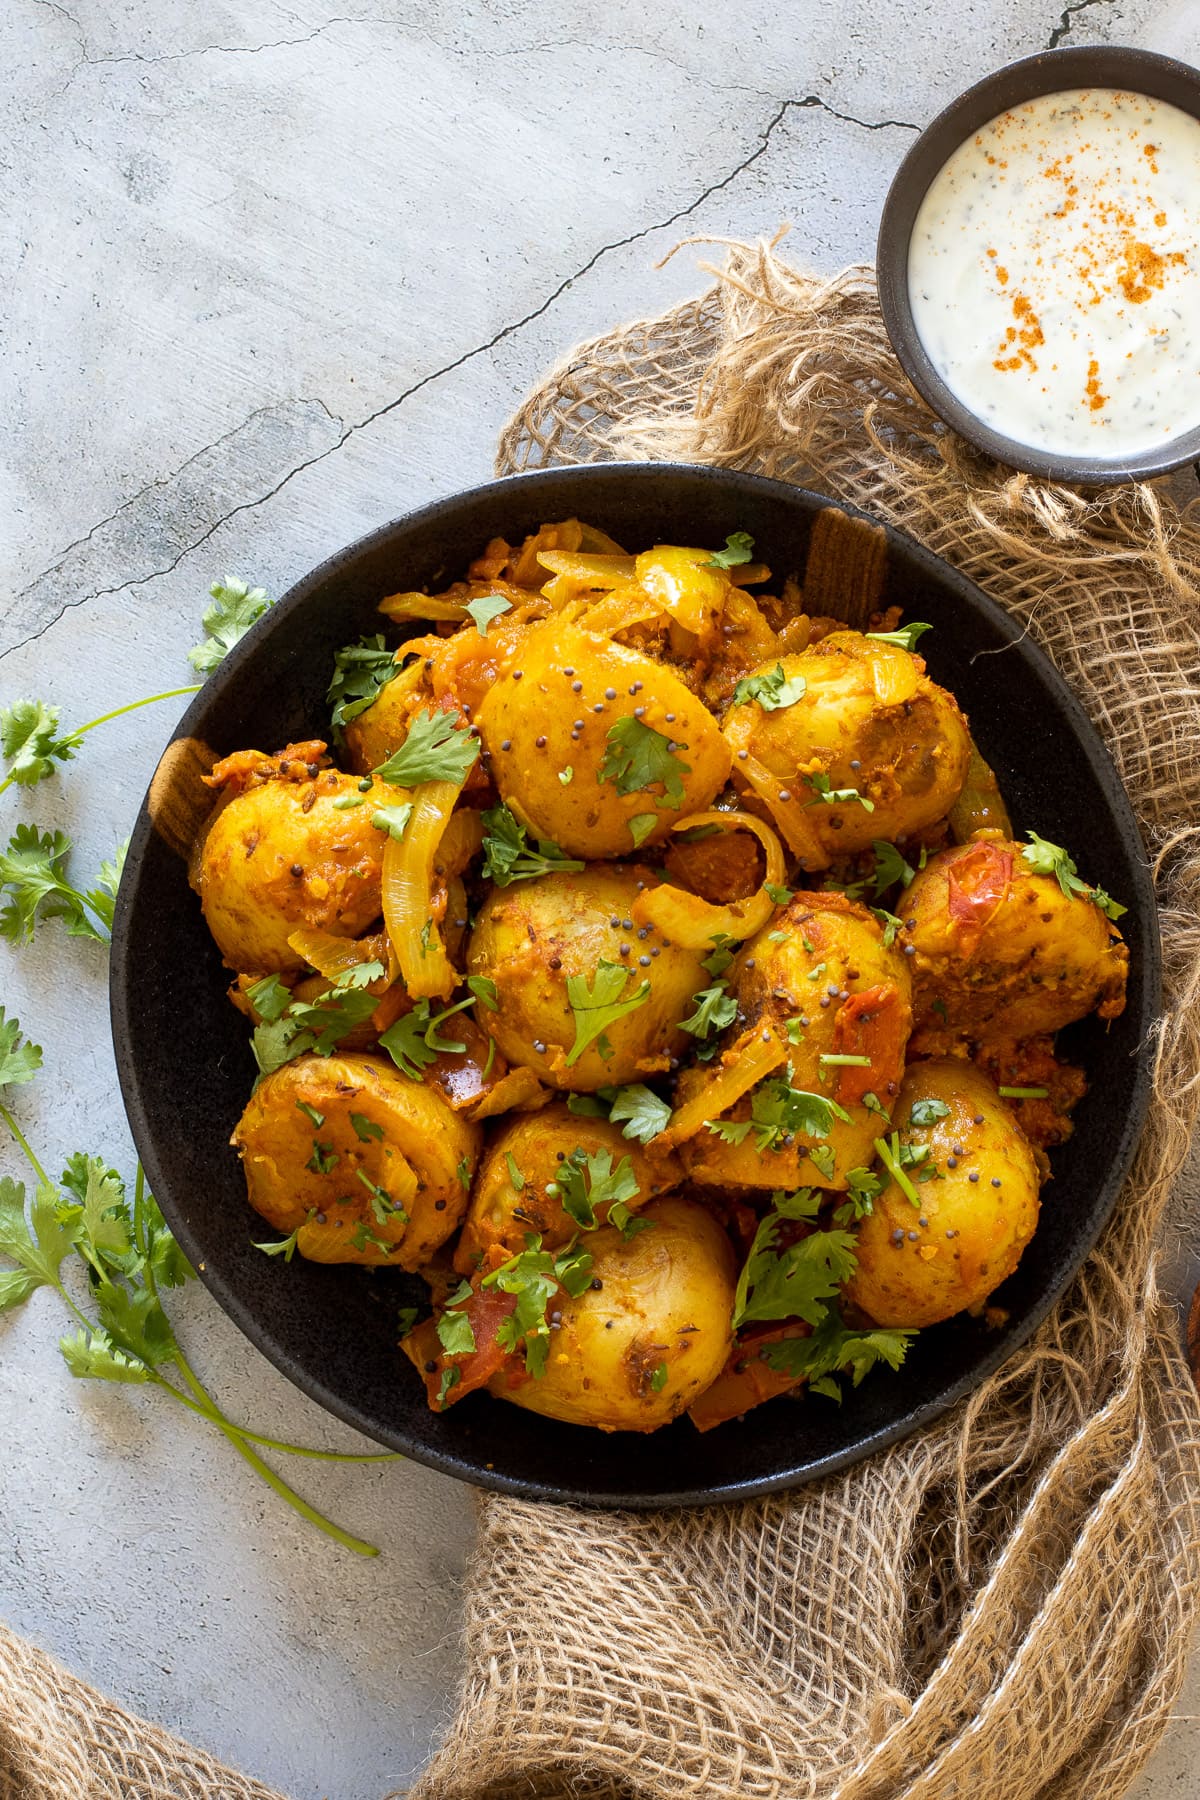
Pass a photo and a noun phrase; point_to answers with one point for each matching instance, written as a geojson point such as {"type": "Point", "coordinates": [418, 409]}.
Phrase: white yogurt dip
{"type": "Point", "coordinates": [1054, 273]}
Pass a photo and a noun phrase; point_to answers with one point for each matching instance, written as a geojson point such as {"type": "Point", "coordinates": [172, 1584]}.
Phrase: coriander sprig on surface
{"type": "Point", "coordinates": [125, 1250]}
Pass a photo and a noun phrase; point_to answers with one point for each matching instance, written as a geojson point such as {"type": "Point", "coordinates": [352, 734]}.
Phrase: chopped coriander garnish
{"type": "Point", "coordinates": [601, 1005]}
{"type": "Point", "coordinates": [567, 775]}
{"type": "Point", "coordinates": [534, 1277]}
{"type": "Point", "coordinates": [658, 1380]}
{"type": "Point", "coordinates": [485, 991]}
{"type": "Point", "coordinates": [344, 802]}
{"type": "Point", "coordinates": [365, 1129]}
{"type": "Point", "coordinates": [722, 955]}
{"type": "Point", "coordinates": [842, 1060]}
{"type": "Point", "coordinates": [360, 671]}
{"type": "Point", "coordinates": [434, 750]}
{"type": "Point", "coordinates": [583, 1183]}
{"type": "Point", "coordinates": [508, 855]}
{"type": "Point", "coordinates": [413, 1042]}
{"type": "Point", "coordinates": [831, 796]}
{"type": "Point", "coordinates": [636, 1108]}
{"type": "Point", "coordinates": [392, 819]}
{"type": "Point", "coordinates": [772, 691]}
{"type": "Point", "coordinates": [928, 1112]}
{"type": "Point", "coordinates": [486, 608]}
{"type": "Point", "coordinates": [906, 637]}
{"type": "Point", "coordinates": [739, 548]}
{"type": "Point", "coordinates": [515, 1176]}
{"type": "Point", "coordinates": [832, 1349]}
{"type": "Point", "coordinates": [715, 1010]}
{"type": "Point", "coordinates": [1023, 1093]}
{"type": "Point", "coordinates": [285, 1247]}
{"type": "Point", "coordinates": [890, 867]}
{"type": "Point", "coordinates": [235, 609]}
{"type": "Point", "coordinates": [889, 1156]}
{"type": "Point", "coordinates": [1051, 859]}
{"type": "Point", "coordinates": [455, 1333]}
{"type": "Point", "coordinates": [463, 1172]}
{"type": "Point", "coordinates": [891, 924]}
{"type": "Point", "coordinates": [637, 757]}
{"type": "Point", "coordinates": [792, 1283]}
{"type": "Point", "coordinates": [780, 895]}
{"type": "Point", "coordinates": [640, 827]}
{"type": "Point", "coordinates": [324, 1158]}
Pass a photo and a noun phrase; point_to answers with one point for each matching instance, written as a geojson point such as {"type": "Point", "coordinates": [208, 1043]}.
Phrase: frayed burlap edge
{"type": "Point", "coordinates": [1000, 1606]}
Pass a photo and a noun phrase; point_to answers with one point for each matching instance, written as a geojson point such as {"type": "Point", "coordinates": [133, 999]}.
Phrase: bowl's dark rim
{"type": "Point", "coordinates": [1143, 909]}
{"type": "Point", "coordinates": [1048, 72]}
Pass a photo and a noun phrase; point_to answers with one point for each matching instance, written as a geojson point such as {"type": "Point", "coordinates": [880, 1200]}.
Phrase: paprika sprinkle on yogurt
{"type": "Point", "coordinates": [1054, 273]}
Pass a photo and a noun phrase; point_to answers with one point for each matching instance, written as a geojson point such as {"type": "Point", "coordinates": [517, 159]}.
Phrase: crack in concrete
{"type": "Point", "coordinates": [806, 103]}
{"type": "Point", "coordinates": [1066, 20]}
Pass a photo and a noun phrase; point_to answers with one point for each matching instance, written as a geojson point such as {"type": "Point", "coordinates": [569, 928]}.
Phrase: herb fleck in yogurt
{"type": "Point", "coordinates": [1054, 273]}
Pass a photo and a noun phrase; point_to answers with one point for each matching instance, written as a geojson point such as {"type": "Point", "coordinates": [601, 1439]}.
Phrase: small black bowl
{"type": "Point", "coordinates": [334, 1330]}
{"type": "Point", "coordinates": [1050, 72]}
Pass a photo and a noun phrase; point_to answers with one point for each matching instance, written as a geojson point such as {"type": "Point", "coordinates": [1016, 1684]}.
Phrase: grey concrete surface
{"type": "Point", "coordinates": [271, 276]}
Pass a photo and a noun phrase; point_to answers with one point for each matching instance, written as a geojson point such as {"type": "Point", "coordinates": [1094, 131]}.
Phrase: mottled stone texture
{"type": "Point", "coordinates": [271, 277]}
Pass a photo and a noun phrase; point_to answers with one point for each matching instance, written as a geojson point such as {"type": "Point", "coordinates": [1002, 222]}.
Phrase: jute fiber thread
{"type": "Point", "coordinates": [1000, 1607]}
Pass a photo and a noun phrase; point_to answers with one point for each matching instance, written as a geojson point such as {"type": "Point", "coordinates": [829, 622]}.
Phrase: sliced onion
{"type": "Point", "coordinates": [686, 919]}
{"type": "Point", "coordinates": [519, 1090]}
{"type": "Point", "coordinates": [743, 1066]}
{"type": "Point", "coordinates": [408, 884]}
{"type": "Point", "coordinates": [792, 815]}
{"type": "Point", "coordinates": [589, 571]}
{"type": "Point", "coordinates": [620, 611]}
{"type": "Point", "coordinates": [461, 840]}
{"type": "Point", "coordinates": [333, 956]}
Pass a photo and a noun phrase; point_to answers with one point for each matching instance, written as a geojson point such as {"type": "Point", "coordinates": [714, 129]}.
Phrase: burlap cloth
{"type": "Point", "coordinates": [1001, 1606]}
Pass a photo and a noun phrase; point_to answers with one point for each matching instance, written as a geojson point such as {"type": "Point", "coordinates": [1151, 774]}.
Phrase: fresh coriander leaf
{"type": "Point", "coordinates": [890, 867]}
{"type": "Point", "coordinates": [30, 742]}
{"type": "Point", "coordinates": [362, 1235]}
{"type": "Point", "coordinates": [463, 1173]}
{"type": "Point", "coordinates": [324, 1158]}
{"type": "Point", "coordinates": [318, 1025]}
{"type": "Point", "coordinates": [833, 1350]}
{"type": "Point", "coordinates": [136, 1323]}
{"type": "Point", "coordinates": [780, 895]}
{"type": "Point", "coordinates": [640, 827]}
{"type": "Point", "coordinates": [891, 924]}
{"type": "Point", "coordinates": [310, 1112]}
{"type": "Point", "coordinates": [455, 1334]}
{"type": "Point", "coordinates": [906, 637]}
{"type": "Point", "coordinates": [722, 954]}
{"type": "Point", "coordinates": [35, 887]}
{"type": "Point", "coordinates": [1023, 1093]}
{"type": "Point", "coordinates": [567, 775]}
{"type": "Point", "coordinates": [658, 1380]}
{"type": "Point", "coordinates": [16, 1285]}
{"type": "Point", "coordinates": [863, 1188]}
{"type": "Point", "coordinates": [365, 1129]}
{"type": "Point", "coordinates": [516, 1178]}
{"type": "Point", "coordinates": [739, 548]}
{"type": "Point", "coordinates": [772, 691]}
{"type": "Point", "coordinates": [730, 1131]}
{"type": "Point", "coordinates": [360, 671]}
{"type": "Point", "coordinates": [406, 1318]}
{"type": "Point", "coordinates": [637, 757]}
{"type": "Point", "coordinates": [805, 1203]}
{"type": "Point", "coordinates": [639, 1112]}
{"type": "Point", "coordinates": [360, 976]}
{"type": "Point", "coordinates": [392, 819]}
{"type": "Point", "coordinates": [235, 609]}
{"type": "Point", "coordinates": [831, 796]}
{"type": "Point", "coordinates": [793, 1283]}
{"type": "Point", "coordinates": [780, 1112]}
{"type": "Point", "coordinates": [434, 750]}
{"type": "Point", "coordinates": [601, 1005]}
{"type": "Point", "coordinates": [485, 991]}
{"type": "Point", "coordinates": [486, 608]}
{"type": "Point", "coordinates": [1051, 859]}
{"type": "Point", "coordinates": [102, 1222]}
{"type": "Point", "coordinates": [928, 1112]}
{"type": "Point", "coordinates": [346, 802]}
{"type": "Point", "coordinates": [164, 1259]}
{"type": "Point", "coordinates": [715, 1010]}
{"type": "Point", "coordinates": [413, 1041]}
{"type": "Point", "coordinates": [873, 1105]}
{"type": "Point", "coordinates": [269, 998]}
{"type": "Point", "coordinates": [450, 1379]}
{"type": "Point", "coordinates": [890, 1153]}
{"type": "Point", "coordinates": [508, 857]}
{"type": "Point", "coordinates": [19, 1059]}
{"type": "Point", "coordinates": [93, 1356]}
{"type": "Point", "coordinates": [534, 1277]}
{"type": "Point", "coordinates": [822, 1159]}
{"type": "Point", "coordinates": [584, 1183]}
{"type": "Point", "coordinates": [794, 1028]}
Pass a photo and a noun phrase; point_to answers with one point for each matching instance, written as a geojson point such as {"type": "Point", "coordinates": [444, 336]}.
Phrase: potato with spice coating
{"type": "Point", "coordinates": [1000, 949]}
{"type": "Point", "coordinates": [525, 1158]}
{"type": "Point", "coordinates": [585, 736]}
{"type": "Point", "coordinates": [925, 1261]}
{"type": "Point", "coordinates": [535, 936]}
{"type": "Point", "coordinates": [650, 1333]}
{"type": "Point", "coordinates": [364, 1164]}
{"type": "Point", "coordinates": [868, 722]}
{"type": "Point", "coordinates": [282, 856]}
{"type": "Point", "coordinates": [822, 979]}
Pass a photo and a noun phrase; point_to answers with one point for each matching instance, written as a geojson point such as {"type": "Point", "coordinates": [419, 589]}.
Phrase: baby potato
{"type": "Point", "coordinates": [282, 856]}
{"type": "Point", "coordinates": [531, 1149]}
{"type": "Point", "coordinates": [364, 1164]}
{"type": "Point", "coordinates": [869, 719]}
{"type": "Point", "coordinates": [379, 731]}
{"type": "Point", "coordinates": [650, 1334]}
{"type": "Point", "coordinates": [535, 936]}
{"type": "Point", "coordinates": [580, 702]}
{"type": "Point", "coordinates": [918, 1264]}
{"type": "Point", "coordinates": [1002, 949]}
{"type": "Point", "coordinates": [821, 978]}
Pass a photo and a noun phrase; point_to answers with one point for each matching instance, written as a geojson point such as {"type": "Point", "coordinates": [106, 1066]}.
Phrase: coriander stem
{"type": "Point", "coordinates": [171, 694]}
{"type": "Point", "coordinates": [896, 1172]}
{"type": "Point", "coordinates": [209, 1409]}
{"type": "Point", "coordinates": [34, 1164]}
{"type": "Point", "coordinates": [359, 1545]}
